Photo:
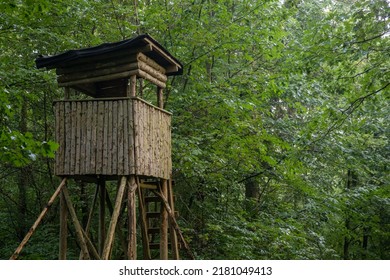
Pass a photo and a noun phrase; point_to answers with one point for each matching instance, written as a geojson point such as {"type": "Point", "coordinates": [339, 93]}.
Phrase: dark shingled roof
{"type": "Point", "coordinates": [61, 60]}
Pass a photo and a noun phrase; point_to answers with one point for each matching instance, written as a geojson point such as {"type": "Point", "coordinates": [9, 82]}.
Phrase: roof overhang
{"type": "Point", "coordinates": [142, 43]}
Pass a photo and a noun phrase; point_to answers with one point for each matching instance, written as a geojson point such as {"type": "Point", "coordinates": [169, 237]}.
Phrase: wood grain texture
{"type": "Point", "coordinates": [125, 136]}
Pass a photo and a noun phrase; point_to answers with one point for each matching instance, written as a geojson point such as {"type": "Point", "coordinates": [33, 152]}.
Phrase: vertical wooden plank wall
{"type": "Point", "coordinates": [153, 140]}
{"type": "Point", "coordinates": [96, 137]}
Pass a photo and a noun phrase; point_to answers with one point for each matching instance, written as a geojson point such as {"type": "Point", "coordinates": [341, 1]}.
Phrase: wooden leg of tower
{"type": "Point", "coordinates": [144, 225]}
{"type": "Point", "coordinates": [63, 228]}
{"type": "Point", "coordinates": [114, 219]}
{"type": "Point", "coordinates": [102, 215]}
{"type": "Point", "coordinates": [173, 236]}
{"type": "Point", "coordinates": [164, 223]}
{"type": "Point", "coordinates": [76, 223]}
{"type": "Point", "coordinates": [132, 223]}
{"type": "Point", "coordinates": [119, 232]}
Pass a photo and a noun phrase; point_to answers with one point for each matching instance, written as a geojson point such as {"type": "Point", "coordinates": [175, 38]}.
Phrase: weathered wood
{"type": "Point", "coordinates": [175, 224]}
{"type": "Point", "coordinates": [119, 232]}
{"type": "Point", "coordinates": [100, 138]}
{"type": "Point", "coordinates": [107, 137]}
{"type": "Point", "coordinates": [144, 223]}
{"type": "Point", "coordinates": [114, 140]}
{"type": "Point", "coordinates": [93, 149]}
{"type": "Point", "coordinates": [160, 98]}
{"type": "Point", "coordinates": [63, 228]}
{"type": "Point", "coordinates": [114, 220]}
{"type": "Point", "coordinates": [78, 137]}
{"type": "Point", "coordinates": [91, 211]}
{"type": "Point", "coordinates": [90, 214]}
{"type": "Point", "coordinates": [150, 78]}
{"type": "Point", "coordinates": [38, 220]}
{"type": "Point", "coordinates": [173, 235]}
{"type": "Point", "coordinates": [132, 88]}
{"type": "Point", "coordinates": [69, 146]}
{"type": "Point", "coordinates": [164, 223]}
{"type": "Point", "coordinates": [84, 141]}
{"type": "Point", "coordinates": [102, 214]}
{"type": "Point", "coordinates": [132, 218]}
{"type": "Point", "coordinates": [113, 137]}
{"type": "Point", "coordinates": [151, 63]}
{"type": "Point", "coordinates": [162, 53]}
{"type": "Point", "coordinates": [152, 72]}
{"type": "Point", "coordinates": [120, 131]}
{"type": "Point", "coordinates": [79, 230]}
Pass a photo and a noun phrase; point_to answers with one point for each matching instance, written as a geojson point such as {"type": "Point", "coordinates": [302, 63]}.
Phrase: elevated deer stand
{"type": "Point", "coordinates": [113, 134]}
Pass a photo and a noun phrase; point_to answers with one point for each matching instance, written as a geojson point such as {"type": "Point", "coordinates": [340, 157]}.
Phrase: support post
{"type": "Point", "coordinates": [63, 228]}
{"type": "Point", "coordinates": [78, 227]}
{"type": "Point", "coordinates": [164, 223]}
{"type": "Point", "coordinates": [132, 222]}
{"type": "Point", "coordinates": [102, 214]}
{"type": "Point", "coordinates": [132, 86]}
{"type": "Point", "coordinates": [114, 219]}
{"type": "Point", "coordinates": [160, 98]}
{"type": "Point", "coordinates": [175, 224]}
{"type": "Point", "coordinates": [144, 225]}
{"type": "Point", "coordinates": [173, 236]}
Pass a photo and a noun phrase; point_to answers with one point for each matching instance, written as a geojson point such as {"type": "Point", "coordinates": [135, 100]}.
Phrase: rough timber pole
{"type": "Point", "coordinates": [63, 228]}
{"type": "Point", "coordinates": [114, 220]}
{"type": "Point", "coordinates": [164, 192]}
{"type": "Point", "coordinates": [132, 223]}
{"type": "Point", "coordinates": [78, 228]}
{"type": "Point", "coordinates": [164, 223]}
{"type": "Point", "coordinates": [173, 236]}
{"type": "Point", "coordinates": [102, 213]}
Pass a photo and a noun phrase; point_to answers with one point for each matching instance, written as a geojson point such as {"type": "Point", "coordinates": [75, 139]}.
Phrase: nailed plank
{"type": "Point", "coordinates": [131, 131]}
{"type": "Point", "coordinates": [68, 114]}
{"type": "Point", "coordinates": [100, 138]}
{"type": "Point", "coordinates": [78, 138]}
{"type": "Point", "coordinates": [107, 153]}
{"type": "Point", "coordinates": [126, 136]}
{"type": "Point", "coordinates": [120, 129]}
{"type": "Point", "coordinates": [83, 137]}
{"type": "Point", "coordinates": [114, 139]}
{"type": "Point", "coordinates": [94, 126]}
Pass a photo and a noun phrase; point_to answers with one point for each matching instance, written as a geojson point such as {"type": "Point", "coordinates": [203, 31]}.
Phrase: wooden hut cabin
{"type": "Point", "coordinates": [113, 134]}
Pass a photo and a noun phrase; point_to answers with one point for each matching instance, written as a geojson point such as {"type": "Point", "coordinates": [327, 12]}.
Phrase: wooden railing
{"type": "Point", "coordinates": [117, 136]}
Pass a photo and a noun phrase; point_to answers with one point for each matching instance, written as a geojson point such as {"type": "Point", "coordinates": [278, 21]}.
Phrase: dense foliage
{"type": "Point", "coordinates": [281, 121]}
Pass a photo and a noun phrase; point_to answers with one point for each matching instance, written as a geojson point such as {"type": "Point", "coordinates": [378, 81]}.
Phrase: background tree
{"type": "Point", "coordinates": [280, 128]}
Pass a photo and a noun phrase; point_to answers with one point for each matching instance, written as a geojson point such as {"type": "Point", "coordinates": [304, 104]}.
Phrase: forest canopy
{"type": "Point", "coordinates": [280, 133]}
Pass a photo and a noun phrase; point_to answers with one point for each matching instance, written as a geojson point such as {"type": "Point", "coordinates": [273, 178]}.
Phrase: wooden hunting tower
{"type": "Point", "coordinates": [113, 134]}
